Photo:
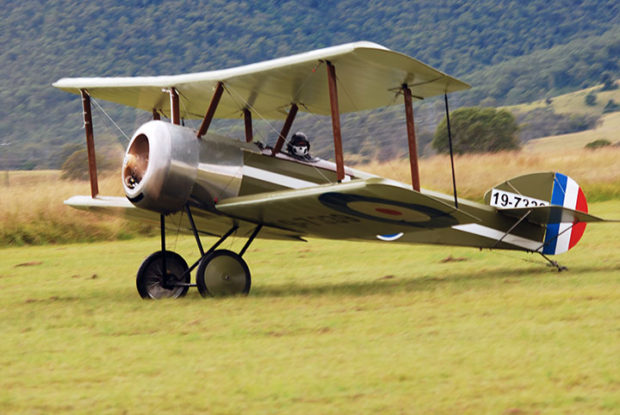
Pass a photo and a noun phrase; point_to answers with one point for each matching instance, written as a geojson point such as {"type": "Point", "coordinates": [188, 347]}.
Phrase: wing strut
{"type": "Point", "coordinates": [285, 129]}
{"type": "Point", "coordinates": [90, 143]}
{"type": "Point", "coordinates": [247, 117]}
{"type": "Point", "coordinates": [206, 122]}
{"type": "Point", "coordinates": [333, 100]}
{"type": "Point", "coordinates": [175, 113]}
{"type": "Point", "coordinates": [413, 150]}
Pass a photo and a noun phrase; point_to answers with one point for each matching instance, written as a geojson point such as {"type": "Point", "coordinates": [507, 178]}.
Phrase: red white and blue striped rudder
{"type": "Point", "coordinates": [560, 237]}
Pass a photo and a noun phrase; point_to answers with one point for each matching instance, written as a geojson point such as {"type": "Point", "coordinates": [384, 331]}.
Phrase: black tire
{"type": "Point", "coordinates": [223, 273]}
{"type": "Point", "coordinates": [153, 284]}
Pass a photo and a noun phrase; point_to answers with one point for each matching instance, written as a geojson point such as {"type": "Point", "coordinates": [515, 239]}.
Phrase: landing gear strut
{"type": "Point", "coordinates": [165, 274]}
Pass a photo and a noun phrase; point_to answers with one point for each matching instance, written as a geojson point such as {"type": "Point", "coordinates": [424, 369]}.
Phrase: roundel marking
{"type": "Point", "coordinates": [388, 211]}
{"type": "Point", "coordinates": [390, 238]}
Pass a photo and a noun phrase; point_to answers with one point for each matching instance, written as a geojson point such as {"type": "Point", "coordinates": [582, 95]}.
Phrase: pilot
{"type": "Point", "coordinates": [299, 147]}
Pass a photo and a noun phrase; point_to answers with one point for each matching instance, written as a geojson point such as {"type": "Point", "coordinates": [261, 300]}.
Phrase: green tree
{"type": "Point", "coordinates": [611, 106]}
{"type": "Point", "coordinates": [478, 130]}
{"type": "Point", "coordinates": [75, 167]}
{"type": "Point", "coordinates": [602, 142]}
{"type": "Point", "coordinates": [609, 83]}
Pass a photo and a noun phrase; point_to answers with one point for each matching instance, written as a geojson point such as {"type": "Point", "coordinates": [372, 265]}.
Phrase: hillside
{"type": "Point", "coordinates": [573, 106]}
{"type": "Point", "coordinates": [511, 52]}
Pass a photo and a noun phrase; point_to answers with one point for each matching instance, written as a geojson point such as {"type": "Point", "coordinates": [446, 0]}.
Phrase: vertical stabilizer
{"type": "Point", "coordinates": [545, 189]}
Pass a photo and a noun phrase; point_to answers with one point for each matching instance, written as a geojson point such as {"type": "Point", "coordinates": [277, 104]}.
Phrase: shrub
{"type": "Point", "coordinates": [598, 144]}
{"type": "Point", "coordinates": [477, 130]}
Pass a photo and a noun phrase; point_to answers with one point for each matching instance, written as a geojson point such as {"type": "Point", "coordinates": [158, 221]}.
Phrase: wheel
{"type": "Point", "coordinates": [223, 273]}
{"type": "Point", "coordinates": [153, 283]}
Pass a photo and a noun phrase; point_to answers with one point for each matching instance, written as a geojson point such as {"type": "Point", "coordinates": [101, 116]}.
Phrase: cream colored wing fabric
{"type": "Point", "coordinates": [368, 76]}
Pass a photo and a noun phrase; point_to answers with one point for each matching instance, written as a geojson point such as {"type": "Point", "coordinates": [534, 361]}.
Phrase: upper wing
{"type": "Point", "coordinates": [368, 75]}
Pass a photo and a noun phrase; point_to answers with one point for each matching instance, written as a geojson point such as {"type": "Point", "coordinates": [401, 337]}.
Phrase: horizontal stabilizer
{"type": "Point", "coordinates": [547, 215]}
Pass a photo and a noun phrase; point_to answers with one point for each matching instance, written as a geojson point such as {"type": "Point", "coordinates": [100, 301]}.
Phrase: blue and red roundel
{"type": "Point", "coordinates": [560, 237]}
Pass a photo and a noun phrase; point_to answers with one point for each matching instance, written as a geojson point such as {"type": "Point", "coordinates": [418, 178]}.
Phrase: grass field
{"type": "Point", "coordinates": [329, 328]}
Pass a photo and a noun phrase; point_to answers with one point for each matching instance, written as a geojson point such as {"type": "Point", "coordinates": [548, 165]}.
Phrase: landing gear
{"type": "Point", "coordinates": [153, 282]}
{"type": "Point", "coordinates": [223, 273]}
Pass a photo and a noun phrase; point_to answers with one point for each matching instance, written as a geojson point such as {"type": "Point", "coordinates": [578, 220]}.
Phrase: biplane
{"type": "Point", "coordinates": [207, 184]}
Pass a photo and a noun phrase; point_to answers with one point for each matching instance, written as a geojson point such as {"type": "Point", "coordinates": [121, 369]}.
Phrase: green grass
{"type": "Point", "coordinates": [329, 327]}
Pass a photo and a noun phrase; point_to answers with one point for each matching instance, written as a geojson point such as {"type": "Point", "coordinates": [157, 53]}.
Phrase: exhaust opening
{"type": "Point", "coordinates": [136, 161]}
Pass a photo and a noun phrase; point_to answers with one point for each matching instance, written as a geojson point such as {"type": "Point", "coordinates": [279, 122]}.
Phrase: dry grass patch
{"type": "Point", "coordinates": [32, 210]}
{"type": "Point", "coordinates": [607, 129]}
{"type": "Point", "coordinates": [597, 171]}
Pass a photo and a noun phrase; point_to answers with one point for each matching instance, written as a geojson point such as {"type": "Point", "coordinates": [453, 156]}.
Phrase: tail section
{"type": "Point", "coordinates": [555, 200]}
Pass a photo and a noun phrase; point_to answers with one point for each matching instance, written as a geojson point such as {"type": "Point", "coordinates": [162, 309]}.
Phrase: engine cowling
{"type": "Point", "coordinates": [160, 166]}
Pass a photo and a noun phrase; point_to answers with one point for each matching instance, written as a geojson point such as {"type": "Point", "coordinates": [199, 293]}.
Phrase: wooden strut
{"type": "Point", "coordinates": [90, 143]}
{"type": "Point", "coordinates": [247, 117]}
{"type": "Point", "coordinates": [215, 100]}
{"type": "Point", "coordinates": [285, 129]}
{"type": "Point", "coordinates": [175, 116]}
{"type": "Point", "coordinates": [413, 150]}
{"type": "Point", "coordinates": [333, 100]}
{"type": "Point", "coordinates": [156, 114]}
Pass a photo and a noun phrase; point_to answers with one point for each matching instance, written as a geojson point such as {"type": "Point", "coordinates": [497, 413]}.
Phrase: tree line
{"type": "Point", "coordinates": [511, 51]}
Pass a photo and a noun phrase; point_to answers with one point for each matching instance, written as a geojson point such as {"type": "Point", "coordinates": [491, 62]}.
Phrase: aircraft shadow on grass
{"type": "Point", "coordinates": [395, 284]}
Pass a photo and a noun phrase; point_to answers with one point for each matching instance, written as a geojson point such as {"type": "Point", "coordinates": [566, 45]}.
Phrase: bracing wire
{"type": "Point", "coordinates": [182, 104]}
{"type": "Point", "coordinates": [240, 100]}
{"type": "Point", "coordinates": [110, 118]}
{"type": "Point", "coordinates": [456, 203]}
{"type": "Point", "coordinates": [176, 240]}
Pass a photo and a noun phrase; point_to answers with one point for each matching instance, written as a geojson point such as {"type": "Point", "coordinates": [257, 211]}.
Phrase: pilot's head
{"type": "Point", "coordinates": [299, 146]}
